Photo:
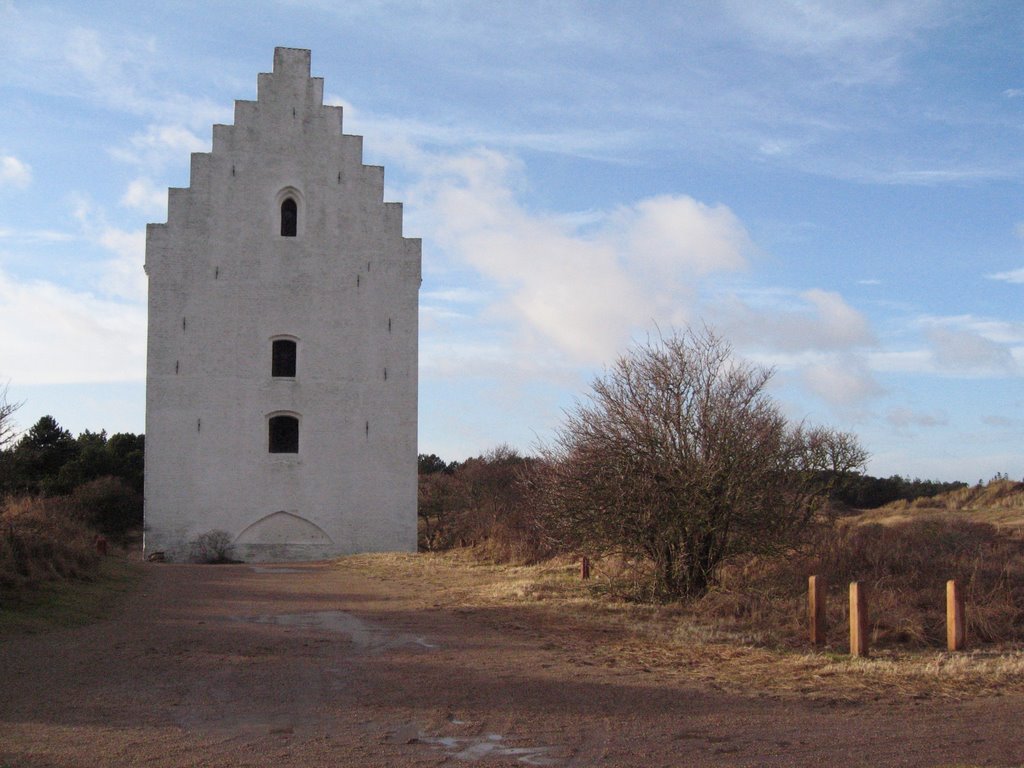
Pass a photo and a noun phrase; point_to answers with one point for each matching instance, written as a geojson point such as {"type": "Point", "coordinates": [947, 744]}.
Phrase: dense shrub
{"type": "Point", "coordinates": [109, 505]}
{"type": "Point", "coordinates": [43, 539]}
{"type": "Point", "coordinates": [482, 502]}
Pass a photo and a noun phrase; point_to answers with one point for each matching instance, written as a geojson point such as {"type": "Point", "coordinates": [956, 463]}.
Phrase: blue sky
{"type": "Point", "coordinates": [834, 187]}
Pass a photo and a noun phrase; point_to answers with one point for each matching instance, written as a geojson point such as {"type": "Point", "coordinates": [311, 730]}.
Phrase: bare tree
{"type": "Point", "coordinates": [7, 410]}
{"type": "Point", "coordinates": [680, 458]}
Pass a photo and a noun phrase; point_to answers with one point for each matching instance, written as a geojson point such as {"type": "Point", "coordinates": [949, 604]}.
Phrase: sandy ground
{"type": "Point", "coordinates": [312, 665]}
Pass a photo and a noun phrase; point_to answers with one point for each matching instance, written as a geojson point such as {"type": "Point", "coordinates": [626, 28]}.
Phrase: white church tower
{"type": "Point", "coordinates": [282, 363]}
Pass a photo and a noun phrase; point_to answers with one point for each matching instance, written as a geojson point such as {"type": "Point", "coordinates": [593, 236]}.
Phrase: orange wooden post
{"type": "Point", "coordinates": [956, 635]}
{"type": "Point", "coordinates": [816, 609]}
{"type": "Point", "coordinates": [585, 568]}
{"type": "Point", "coordinates": [858, 619]}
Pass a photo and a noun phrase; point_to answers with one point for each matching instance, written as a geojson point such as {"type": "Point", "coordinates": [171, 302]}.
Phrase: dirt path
{"type": "Point", "coordinates": [313, 665]}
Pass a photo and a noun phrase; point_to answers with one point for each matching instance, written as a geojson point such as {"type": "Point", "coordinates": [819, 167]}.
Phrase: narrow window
{"type": "Point", "coordinates": [284, 434]}
{"type": "Point", "coordinates": [289, 218]}
{"type": "Point", "coordinates": [283, 363]}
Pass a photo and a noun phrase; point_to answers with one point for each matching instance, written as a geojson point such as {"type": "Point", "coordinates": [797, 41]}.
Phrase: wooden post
{"type": "Point", "coordinates": [585, 568]}
{"type": "Point", "coordinates": [816, 609]}
{"type": "Point", "coordinates": [955, 631]}
{"type": "Point", "coordinates": [858, 619]}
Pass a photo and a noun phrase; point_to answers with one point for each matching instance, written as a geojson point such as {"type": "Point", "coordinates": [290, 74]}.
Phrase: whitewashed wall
{"type": "Point", "coordinates": [223, 283]}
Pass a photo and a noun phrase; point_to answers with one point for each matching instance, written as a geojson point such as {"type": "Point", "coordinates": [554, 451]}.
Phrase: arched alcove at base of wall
{"type": "Point", "coordinates": [283, 528]}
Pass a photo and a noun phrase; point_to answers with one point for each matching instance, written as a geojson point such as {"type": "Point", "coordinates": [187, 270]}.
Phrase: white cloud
{"type": "Point", "coordinates": [14, 172]}
{"type": "Point", "coordinates": [958, 345]}
{"type": "Point", "coordinates": [35, 235]}
{"type": "Point", "coordinates": [999, 331]}
{"type": "Point", "coordinates": [905, 418]}
{"type": "Point", "coordinates": [143, 195]}
{"type": "Point", "coordinates": [901, 361]}
{"type": "Point", "coordinates": [841, 382]}
{"type": "Point", "coordinates": [582, 284]}
{"type": "Point", "coordinates": [855, 41]}
{"type": "Point", "coordinates": [998, 420]}
{"type": "Point", "coordinates": [812, 320]}
{"type": "Point", "coordinates": [160, 145]}
{"type": "Point", "coordinates": [52, 335]}
{"type": "Point", "coordinates": [968, 352]}
{"type": "Point", "coordinates": [813, 26]}
{"type": "Point", "coordinates": [1012, 276]}
{"type": "Point", "coordinates": [456, 295]}
{"type": "Point", "coordinates": [678, 233]}
{"type": "Point", "coordinates": [121, 276]}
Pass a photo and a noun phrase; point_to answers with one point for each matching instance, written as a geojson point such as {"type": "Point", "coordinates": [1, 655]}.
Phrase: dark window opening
{"type": "Point", "coordinates": [289, 218]}
{"type": "Point", "coordinates": [284, 434]}
{"type": "Point", "coordinates": [283, 363]}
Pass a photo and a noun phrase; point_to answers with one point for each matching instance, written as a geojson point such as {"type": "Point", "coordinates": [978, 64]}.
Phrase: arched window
{"type": "Point", "coordinates": [289, 217]}
{"type": "Point", "coordinates": [284, 434]}
{"type": "Point", "coordinates": [283, 358]}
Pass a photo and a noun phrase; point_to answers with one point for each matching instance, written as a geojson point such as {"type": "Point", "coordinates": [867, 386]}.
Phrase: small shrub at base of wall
{"type": "Point", "coordinates": [212, 547]}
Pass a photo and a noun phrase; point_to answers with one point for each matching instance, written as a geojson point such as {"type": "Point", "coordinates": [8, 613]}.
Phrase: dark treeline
{"type": "Point", "coordinates": [101, 475]}
{"type": "Point", "coordinates": [487, 501]}
{"type": "Point", "coordinates": [867, 492]}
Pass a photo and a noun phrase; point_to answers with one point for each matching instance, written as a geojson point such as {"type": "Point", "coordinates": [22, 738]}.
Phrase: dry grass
{"type": "Point", "coordinates": [904, 566]}
{"type": "Point", "coordinates": [41, 540]}
{"type": "Point", "coordinates": [593, 627]}
{"type": "Point", "coordinates": [999, 502]}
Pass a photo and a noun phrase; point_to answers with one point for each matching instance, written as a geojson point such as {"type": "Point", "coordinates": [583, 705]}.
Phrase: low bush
{"type": "Point", "coordinates": [212, 547]}
{"type": "Point", "coordinates": [42, 539]}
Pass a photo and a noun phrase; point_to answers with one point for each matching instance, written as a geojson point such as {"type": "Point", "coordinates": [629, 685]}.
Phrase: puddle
{"type": "Point", "coordinates": [475, 748]}
{"type": "Point", "coordinates": [269, 569]}
{"type": "Point", "coordinates": [365, 635]}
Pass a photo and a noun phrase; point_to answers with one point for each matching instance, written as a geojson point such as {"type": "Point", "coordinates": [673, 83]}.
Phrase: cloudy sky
{"type": "Point", "coordinates": [836, 187]}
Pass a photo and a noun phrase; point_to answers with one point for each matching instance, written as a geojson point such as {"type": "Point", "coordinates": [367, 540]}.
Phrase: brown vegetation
{"type": "Point", "coordinates": [905, 567]}
{"type": "Point", "coordinates": [701, 641]}
{"type": "Point", "coordinates": [679, 460]}
{"type": "Point", "coordinates": [482, 503]}
{"type": "Point", "coordinates": [42, 539]}
{"type": "Point", "coordinates": [761, 597]}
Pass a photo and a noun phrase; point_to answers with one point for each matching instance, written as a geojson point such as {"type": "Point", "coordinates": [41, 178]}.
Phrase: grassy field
{"type": "Point", "coordinates": [62, 604]}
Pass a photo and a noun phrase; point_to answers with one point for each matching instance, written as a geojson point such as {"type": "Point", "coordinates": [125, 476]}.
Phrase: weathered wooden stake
{"type": "Point", "coordinates": [585, 568]}
{"type": "Point", "coordinates": [956, 635]}
{"type": "Point", "coordinates": [816, 609]}
{"type": "Point", "coordinates": [858, 619]}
